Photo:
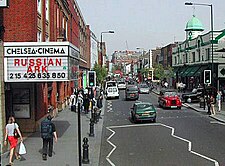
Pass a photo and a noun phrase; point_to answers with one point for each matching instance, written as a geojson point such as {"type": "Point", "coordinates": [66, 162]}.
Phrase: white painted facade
{"type": "Point", "coordinates": [94, 50]}
{"type": "Point", "coordinates": [197, 51]}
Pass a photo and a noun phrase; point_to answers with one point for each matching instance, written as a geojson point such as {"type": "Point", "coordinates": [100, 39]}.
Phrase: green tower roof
{"type": "Point", "coordinates": [194, 24]}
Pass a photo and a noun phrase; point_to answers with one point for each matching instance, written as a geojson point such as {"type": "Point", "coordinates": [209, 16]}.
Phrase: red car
{"type": "Point", "coordinates": [169, 99]}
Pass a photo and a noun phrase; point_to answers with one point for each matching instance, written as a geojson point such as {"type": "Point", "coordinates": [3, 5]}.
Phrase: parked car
{"type": "Point", "coordinates": [112, 92]}
{"type": "Point", "coordinates": [131, 92]}
{"type": "Point", "coordinates": [143, 88]}
{"type": "Point", "coordinates": [122, 85]}
{"type": "Point", "coordinates": [193, 96]}
{"type": "Point", "coordinates": [143, 111]}
{"type": "Point", "coordinates": [169, 99]}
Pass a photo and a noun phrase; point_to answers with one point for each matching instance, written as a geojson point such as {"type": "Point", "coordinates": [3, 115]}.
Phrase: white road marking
{"type": "Point", "coordinates": [216, 122]}
{"type": "Point", "coordinates": [155, 124]}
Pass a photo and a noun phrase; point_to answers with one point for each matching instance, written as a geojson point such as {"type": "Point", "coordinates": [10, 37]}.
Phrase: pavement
{"type": "Point", "coordinates": [219, 116]}
{"type": "Point", "coordinates": [65, 151]}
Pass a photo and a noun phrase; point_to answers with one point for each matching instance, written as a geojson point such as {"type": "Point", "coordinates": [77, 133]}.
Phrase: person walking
{"type": "Point", "coordinates": [86, 103]}
{"type": "Point", "coordinates": [208, 101]}
{"type": "Point", "coordinates": [10, 135]}
{"type": "Point", "coordinates": [48, 131]}
{"type": "Point", "coordinates": [212, 100]}
{"type": "Point", "coordinates": [218, 100]}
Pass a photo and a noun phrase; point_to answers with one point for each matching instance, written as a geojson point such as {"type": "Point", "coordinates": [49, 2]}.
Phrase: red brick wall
{"type": "Point", "coordinates": [88, 47]}
{"type": "Point", "coordinates": [20, 21]}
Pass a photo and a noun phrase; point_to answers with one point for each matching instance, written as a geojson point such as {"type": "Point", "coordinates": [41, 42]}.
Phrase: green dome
{"type": "Point", "coordinates": [194, 24]}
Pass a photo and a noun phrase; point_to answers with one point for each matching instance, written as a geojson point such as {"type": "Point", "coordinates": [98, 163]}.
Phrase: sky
{"type": "Point", "coordinates": [146, 24]}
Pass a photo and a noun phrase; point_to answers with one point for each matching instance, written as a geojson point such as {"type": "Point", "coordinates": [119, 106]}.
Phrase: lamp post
{"type": "Point", "coordinates": [101, 44]}
{"type": "Point", "coordinates": [211, 13]}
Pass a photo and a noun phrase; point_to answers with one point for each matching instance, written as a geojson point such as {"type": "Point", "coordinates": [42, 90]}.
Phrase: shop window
{"type": "Point", "coordinates": [193, 56]}
{"type": "Point", "coordinates": [21, 103]}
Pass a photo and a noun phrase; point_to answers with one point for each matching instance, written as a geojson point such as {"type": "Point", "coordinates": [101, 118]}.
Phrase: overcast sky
{"type": "Point", "coordinates": [146, 23]}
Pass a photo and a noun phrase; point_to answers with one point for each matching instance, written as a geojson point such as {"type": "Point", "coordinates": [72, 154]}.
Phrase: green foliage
{"type": "Point", "coordinates": [160, 73]}
{"type": "Point", "coordinates": [101, 73]}
{"type": "Point", "coordinates": [145, 71]}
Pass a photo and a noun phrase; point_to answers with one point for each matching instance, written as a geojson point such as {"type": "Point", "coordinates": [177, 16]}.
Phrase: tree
{"type": "Point", "coordinates": [161, 73]}
{"type": "Point", "coordinates": [101, 73]}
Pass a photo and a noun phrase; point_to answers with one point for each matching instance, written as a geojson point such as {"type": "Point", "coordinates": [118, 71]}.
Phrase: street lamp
{"type": "Point", "coordinates": [211, 9]}
{"type": "Point", "coordinates": [101, 44]}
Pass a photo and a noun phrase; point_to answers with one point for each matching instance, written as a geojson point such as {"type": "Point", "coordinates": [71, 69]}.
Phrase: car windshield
{"type": "Point", "coordinates": [121, 82]}
{"type": "Point", "coordinates": [110, 84]}
{"type": "Point", "coordinates": [144, 86]}
{"type": "Point", "coordinates": [132, 89]}
{"type": "Point", "coordinates": [144, 106]}
{"type": "Point", "coordinates": [170, 94]}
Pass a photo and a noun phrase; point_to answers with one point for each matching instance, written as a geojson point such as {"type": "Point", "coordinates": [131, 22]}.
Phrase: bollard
{"type": "Point", "coordinates": [95, 116]}
{"type": "Point", "coordinates": [92, 115]}
{"type": "Point", "coordinates": [85, 159]}
{"type": "Point", "coordinates": [91, 134]}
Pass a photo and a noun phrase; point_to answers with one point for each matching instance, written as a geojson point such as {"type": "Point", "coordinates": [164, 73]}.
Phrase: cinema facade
{"type": "Point", "coordinates": [38, 75]}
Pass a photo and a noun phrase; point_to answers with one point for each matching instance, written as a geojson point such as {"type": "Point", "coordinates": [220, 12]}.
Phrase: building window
{"type": "Point", "coordinates": [193, 56]}
{"type": "Point", "coordinates": [199, 54]}
{"type": "Point", "coordinates": [39, 36]}
{"type": "Point", "coordinates": [39, 6]}
{"type": "Point", "coordinates": [207, 52]}
{"type": "Point", "coordinates": [47, 9]}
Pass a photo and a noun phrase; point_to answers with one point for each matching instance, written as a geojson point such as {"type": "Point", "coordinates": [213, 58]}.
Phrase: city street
{"type": "Point", "coordinates": [179, 137]}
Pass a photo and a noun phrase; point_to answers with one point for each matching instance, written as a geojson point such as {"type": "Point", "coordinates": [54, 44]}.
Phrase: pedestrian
{"type": "Point", "coordinates": [212, 101]}
{"type": "Point", "coordinates": [208, 104]}
{"type": "Point", "coordinates": [80, 100]}
{"type": "Point", "coordinates": [218, 100]}
{"type": "Point", "coordinates": [10, 130]}
{"type": "Point", "coordinates": [48, 131]}
{"type": "Point", "coordinates": [86, 102]}
{"type": "Point", "coordinates": [99, 101]}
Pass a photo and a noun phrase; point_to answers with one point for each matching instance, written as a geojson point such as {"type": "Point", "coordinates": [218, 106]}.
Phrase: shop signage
{"type": "Point", "coordinates": [35, 61]}
{"type": "Point", "coordinates": [4, 3]}
{"type": "Point", "coordinates": [221, 71]}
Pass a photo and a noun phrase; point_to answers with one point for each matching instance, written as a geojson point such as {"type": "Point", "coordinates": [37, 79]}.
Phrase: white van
{"type": "Point", "coordinates": [112, 92]}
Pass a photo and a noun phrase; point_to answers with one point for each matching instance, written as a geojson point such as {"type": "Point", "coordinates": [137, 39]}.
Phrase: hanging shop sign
{"type": "Point", "coordinates": [40, 61]}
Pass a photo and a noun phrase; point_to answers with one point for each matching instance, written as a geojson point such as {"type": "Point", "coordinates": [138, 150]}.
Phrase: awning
{"type": "Point", "coordinates": [175, 69]}
{"type": "Point", "coordinates": [181, 72]}
{"type": "Point", "coordinates": [200, 71]}
{"type": "Point", "coordinates": [187, 71]}
{"type": "Point", "coordinates": [193, 71]}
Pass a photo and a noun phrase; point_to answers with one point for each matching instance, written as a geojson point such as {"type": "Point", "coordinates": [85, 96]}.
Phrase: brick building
{"type": "Point", "coordinates": [44, 21]}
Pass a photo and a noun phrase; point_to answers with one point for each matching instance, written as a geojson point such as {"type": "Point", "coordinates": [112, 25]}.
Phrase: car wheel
{"type": "Point", "coordinates": [154, 120]}
{"type": "Point", "coordinates": [179, 108]}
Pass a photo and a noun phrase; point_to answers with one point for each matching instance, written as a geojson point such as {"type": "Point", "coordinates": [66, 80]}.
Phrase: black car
{"type": "Point", "coordinates": [193, 96]}
{"type": "Point", "coordinates": [131, 92]}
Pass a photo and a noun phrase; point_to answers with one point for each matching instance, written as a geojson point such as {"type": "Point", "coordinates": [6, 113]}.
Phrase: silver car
{"type": "Point", "coordinates": [143, 88]}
